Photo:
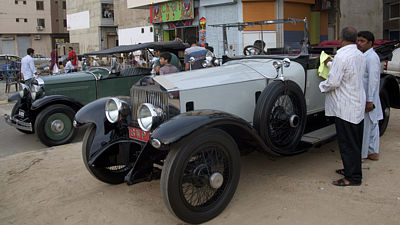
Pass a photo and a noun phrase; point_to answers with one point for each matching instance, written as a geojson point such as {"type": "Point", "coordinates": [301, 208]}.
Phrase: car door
{"type": "Point", "coordinates": [119, 84]}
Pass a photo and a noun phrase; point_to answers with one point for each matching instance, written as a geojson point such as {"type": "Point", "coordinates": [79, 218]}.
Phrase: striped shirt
{"type": "Point", "coordinates": [345, 95]}
{"type": "Point", "coordinates": [198, 53]}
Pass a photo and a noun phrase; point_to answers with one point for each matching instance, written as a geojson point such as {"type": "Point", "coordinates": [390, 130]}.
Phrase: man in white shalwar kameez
{"type": "Point", "coordinates": [373, 109]}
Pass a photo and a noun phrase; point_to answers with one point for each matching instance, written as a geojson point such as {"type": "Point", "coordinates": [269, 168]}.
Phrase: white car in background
{"type": "Point", "coordinates": [393, 66]}
{"type": "Point", "coordinates": [41, 59]}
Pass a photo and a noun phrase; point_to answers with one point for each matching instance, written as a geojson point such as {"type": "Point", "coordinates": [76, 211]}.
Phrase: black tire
{"type": "Point", "coordinates": [383, 123]}
{"type": "Point", "coordinates": [53, 125]}
{"type": "Point", "coordinates": [280, 117]}
{"type": "Point", "coordinates": [14, 111]}
{"type": "Point", "coordinates": [191, 165]}
{"type": "Point", "coordinates": [112, 174]}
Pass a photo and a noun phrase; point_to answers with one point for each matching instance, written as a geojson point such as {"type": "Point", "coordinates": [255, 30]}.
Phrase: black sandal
{"type": "Point", "coordinates": [342, 183]}
{"type": "Point", "coordinates": [340, 171]}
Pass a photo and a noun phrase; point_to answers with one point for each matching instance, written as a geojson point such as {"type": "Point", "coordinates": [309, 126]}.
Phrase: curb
{"type": "Point", "coordinates": [4, 102]}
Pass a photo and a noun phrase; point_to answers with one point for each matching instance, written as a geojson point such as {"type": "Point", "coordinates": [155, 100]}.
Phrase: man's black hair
{"type": "Point", "coordinates": [367, 35]}
{"type": "Point", "coordinates": [259, 44]}
{"type": "Point", "coordinates": [30, 51]}
{"type": "Point", "coordinates": [349, 34]}
{"type": "Point", "coordinates": [71, 48]}
{"type": "Point", "coordinates": [192, 40]}
{"type": "Point", "coordinates": [167, 56]}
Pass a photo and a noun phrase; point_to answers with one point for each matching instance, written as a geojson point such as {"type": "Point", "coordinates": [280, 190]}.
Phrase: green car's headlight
{"type": "Point", "coordinates": [149, 116]}
{"type": "Point", "coordinates": [23, 90]}
{"type": "Point", "coordinates": [115, 108]}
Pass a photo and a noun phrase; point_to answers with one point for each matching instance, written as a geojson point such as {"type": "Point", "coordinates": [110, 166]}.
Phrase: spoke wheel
{"type": "Point", "coordinates": [53, 125]}
{"type": "Point", "coordinates": [108, 172]}
{"type": "Point", "coordinates": [200, 176]}
{"type": "Point", "coordinates": [383, 123]}
{"type": "Point", "coordinates": [280, 116]}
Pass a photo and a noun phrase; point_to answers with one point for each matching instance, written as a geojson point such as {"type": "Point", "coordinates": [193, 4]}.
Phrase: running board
{"type": "Point", "coordinates": [320, 135]}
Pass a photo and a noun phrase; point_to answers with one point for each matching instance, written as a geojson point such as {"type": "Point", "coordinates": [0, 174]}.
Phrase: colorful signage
{"type": "Point", "coordinates": [172, 11]}
{"type": "Point", "coordinates": [202, 31]}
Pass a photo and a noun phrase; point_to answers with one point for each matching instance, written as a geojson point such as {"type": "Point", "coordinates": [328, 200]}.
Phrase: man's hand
{"type": "Point", "coordinates": [327, 60]}
{"type": "Point", "coordinates": [369, 106]}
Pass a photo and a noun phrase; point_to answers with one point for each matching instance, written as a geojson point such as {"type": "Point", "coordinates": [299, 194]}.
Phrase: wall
{"type": "Point", "coordinates": [129, 18]}
{"type": "Point", "coordinates": [294, 33]}
{"type": "Point", "coordinates": [367, 15]}
{"type": "Point", "coordinates": [130, 36]}
{"type": "Point", "coordinates": [140, 3]}
{"type": "Point", "coordinates": [219, 14]}
{"type": "Point", "coordinates": [42, 46]}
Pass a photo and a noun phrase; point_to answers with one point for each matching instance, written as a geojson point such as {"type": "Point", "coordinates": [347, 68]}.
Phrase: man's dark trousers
{"type": "Point", "coordinates": [350, 136]}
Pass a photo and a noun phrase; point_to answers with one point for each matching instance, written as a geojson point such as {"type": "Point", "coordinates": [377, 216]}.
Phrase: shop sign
{"type": "Point", "coordinates": [202, 30]}
{"type": "Point", "coordinates": [172, 11]}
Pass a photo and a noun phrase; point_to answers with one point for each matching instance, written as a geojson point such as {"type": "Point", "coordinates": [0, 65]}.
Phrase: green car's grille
{"type": "Point", "coordinates": [148, 94]}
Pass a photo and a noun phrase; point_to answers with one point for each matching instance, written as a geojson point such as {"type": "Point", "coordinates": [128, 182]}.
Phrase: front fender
{"type": "Point", "coordinates": [14, 98]}
{"type": "Point", "coordinates": [94, 113]}
{"type": "Point", "coordinates": [390, 84]}
{"type": "Point", "coordinates": [55, 99]}
{"type": "Point", "coordinates": [188, 123]}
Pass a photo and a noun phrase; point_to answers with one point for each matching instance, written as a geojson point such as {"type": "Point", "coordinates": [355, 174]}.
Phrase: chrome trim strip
{"type": "Point", "coordinates": [17, 123]}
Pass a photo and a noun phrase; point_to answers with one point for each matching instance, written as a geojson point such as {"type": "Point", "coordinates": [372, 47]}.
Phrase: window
{"type": "Point", "coordinates": [17, 20]}
{"type": "Point", "coordinates": [394, 11]}
{"type": "Point", "coordinates": [39, 5]}
{"type": "Point", "coordinates": [24, 2]}
{"type": "Point", "coordinates": [64, 5]}
{"type": "Point", "coordinates": [40, 22]}
{"type": "Point", "coordinates": [25, 20]}
{"type": "Point", "coordinates": [16, 2]}
{"type": "Point", "coordinates": [151, 29]}
{"type": "Point", "coordinates": [65, 23]}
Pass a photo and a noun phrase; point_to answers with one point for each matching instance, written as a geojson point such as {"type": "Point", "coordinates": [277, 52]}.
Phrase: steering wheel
{"type": "Point", "coordinates": [252, 50]}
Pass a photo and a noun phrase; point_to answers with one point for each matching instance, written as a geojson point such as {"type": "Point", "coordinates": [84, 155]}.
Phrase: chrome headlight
{"type": "Point", "coordinates": [149, 116]}
{"type": "Point", "coordinates": [115, 108]}
{"type": "Point", "coordinates": [23, 90]}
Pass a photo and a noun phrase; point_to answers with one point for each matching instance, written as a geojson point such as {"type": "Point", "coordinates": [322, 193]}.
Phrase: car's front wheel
{"type": "Point", "coordinates": [200, 176]}
{"type": "Point", "coordinates": [54, 125]}
{"type": "Point", "coordinates": [280, 116]}
{"type": "Point", "coordinates": [105, 170]}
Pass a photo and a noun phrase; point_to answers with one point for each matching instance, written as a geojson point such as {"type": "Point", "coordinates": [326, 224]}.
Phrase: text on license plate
{"type": "Point", "coordinates": [21, 113]}
{"type": "Point", "coordinates": [138, 134]}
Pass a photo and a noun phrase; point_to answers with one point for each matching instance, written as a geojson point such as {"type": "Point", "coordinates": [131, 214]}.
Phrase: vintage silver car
{"type": "Point", "coordinates": [189, 129]}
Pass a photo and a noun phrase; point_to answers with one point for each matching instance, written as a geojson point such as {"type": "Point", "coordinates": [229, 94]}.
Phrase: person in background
{"type": "Point", "coordinates": [54, 58]}
{"type": "Point", "coordinates": [373, 108]}
{"type": "Point", "coordinates": [173, 61]}
{"type": "Point", "coordinates": [28, 69]}
{"type": "Point", "coordinates": [72, 56]}
{"type": "Point", "coordinates": [167, 68]}
{"type": "Point", "coordinates": [79, 64]}
{"type": "Point", "coordinates": [195, 51]}
{"type": "Point", "coordinates": [345, 101]}
{"type": "Point", "coordinates": [261, 45]}
{"type": "Point", "coordinates": [69, 67]}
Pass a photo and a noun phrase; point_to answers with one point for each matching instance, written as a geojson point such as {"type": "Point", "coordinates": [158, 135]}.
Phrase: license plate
{"type": "Point", "coordinates": [21, 113]}
{"type": "Point", "coordinates": [138, 134]}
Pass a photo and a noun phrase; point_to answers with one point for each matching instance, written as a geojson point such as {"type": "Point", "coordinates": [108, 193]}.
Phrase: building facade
{"type": "Point", "coordinates": [91, 24]}
{"type": "Point", "coordinates": [32, 24]}
{"type": "Point", "coordinates": [133, 24]}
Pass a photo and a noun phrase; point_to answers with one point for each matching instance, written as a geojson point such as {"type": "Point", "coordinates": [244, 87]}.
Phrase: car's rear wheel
{"type": "Point", "coordinates": [200, 176]}
{"type": "Point", "coordinates": [383, 123]}
{"type": "Point", "coordinates": [280, 116]}
{"type": "Point", "coordinates": [107, 172]}
{"type": "Point", "coordinates": [53, 125]}
{"type": "Point", "coordinates": [14, 112]}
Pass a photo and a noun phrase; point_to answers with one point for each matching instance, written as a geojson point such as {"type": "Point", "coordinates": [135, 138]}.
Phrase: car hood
{"type": "Point", "coordinates": [68, 77]}
{"type": "Point", "coordinates": [231, 72]}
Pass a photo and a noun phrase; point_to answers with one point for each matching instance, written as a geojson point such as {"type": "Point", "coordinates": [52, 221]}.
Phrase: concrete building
{"type": "Point", "coordinates": [133, 24]}
{"type": "Point", "coordinates": [391, 19]}
{"type": "Point", "coordinates": [32, 24]}
{"type": "Point", "coordinates": [91, 24]}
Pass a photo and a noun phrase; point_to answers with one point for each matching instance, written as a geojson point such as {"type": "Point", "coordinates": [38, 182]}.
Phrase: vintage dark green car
{"type": "Point", "coordinates": [48, 107]}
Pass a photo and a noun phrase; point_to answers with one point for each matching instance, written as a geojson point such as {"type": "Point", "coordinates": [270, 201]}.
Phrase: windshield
{"type": "Point", "coordinates": [259, 45]}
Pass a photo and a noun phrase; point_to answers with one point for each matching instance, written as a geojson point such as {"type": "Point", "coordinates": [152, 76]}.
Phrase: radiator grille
{"type": "Point", "coordinates": [155, 97]}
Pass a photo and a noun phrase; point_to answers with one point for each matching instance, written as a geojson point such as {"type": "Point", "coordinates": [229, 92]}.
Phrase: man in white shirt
{"type": "Point", "coordinates": [345, 101]}
{"type": "Point", "coordinates": [69, 67]}
{"type": "Point", "coordinates": [28, 69]}
{"type": "Point", "coordinates": [373, 108]}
